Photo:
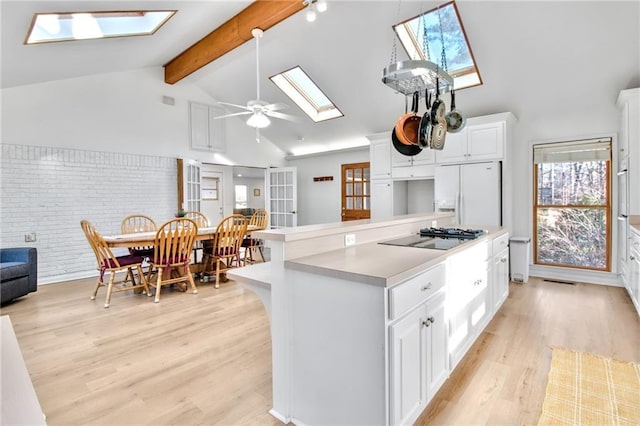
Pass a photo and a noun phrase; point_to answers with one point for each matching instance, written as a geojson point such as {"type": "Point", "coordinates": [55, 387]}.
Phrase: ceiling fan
{"type": "Point", "coordinates": [260, 110]}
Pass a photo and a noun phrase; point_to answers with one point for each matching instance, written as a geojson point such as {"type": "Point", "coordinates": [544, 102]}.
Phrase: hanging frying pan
{"type": "Point", "coordinates": [403, 149]}
{"type": "Point", "coordinates": [455, 119]}
{"type": "Point", "coordinates": [438, 134]}
{"type": "Point", "coordinates": [407, 125]}
{"type": "Point", "coordinates": [424, 131]}
{"type": "Point", "coordinates": [438, 108]}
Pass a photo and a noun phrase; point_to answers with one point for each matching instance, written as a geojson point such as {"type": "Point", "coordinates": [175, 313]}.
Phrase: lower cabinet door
{"type": "Point", "coordinates": [405, 367]}
{"type": "Point", "coordinates": [436, 348]}
{"type": "Point", "coordinates": [500, 287]}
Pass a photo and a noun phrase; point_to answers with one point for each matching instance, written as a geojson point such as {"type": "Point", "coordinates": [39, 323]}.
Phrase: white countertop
{"type": "Point", "coordinates": [379, 264]}
{"type": "Point", "coordinates": [324, 229]}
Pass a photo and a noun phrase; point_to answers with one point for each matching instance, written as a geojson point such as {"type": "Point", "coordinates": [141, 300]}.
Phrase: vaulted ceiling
{"type": "Point", "coordinates": [532, 56]}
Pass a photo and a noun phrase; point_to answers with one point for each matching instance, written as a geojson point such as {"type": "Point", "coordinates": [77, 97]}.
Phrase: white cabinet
{"type": "Point", "coordinates": [418, 346]}
{"type": "Point", "coordinates": [379, 156]}
{"type": "Point", "coordinates": [633, 282]}
{"type": "Point", "coordinates": [419, 166]}
{"type": "Point", "coordinates": [500, 279]}
{"type": "Point", "coordinates": [483, 138]}
{"type": "Point", "coordinates": [468, 298]}
{"type": "Point", "coordinates": [206, 133]}
{"type": "Point", "coordinates": [629, 143]}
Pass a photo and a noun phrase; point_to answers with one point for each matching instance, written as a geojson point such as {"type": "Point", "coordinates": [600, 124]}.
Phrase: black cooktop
{"type": "Point", "coordinates": [451, 233]}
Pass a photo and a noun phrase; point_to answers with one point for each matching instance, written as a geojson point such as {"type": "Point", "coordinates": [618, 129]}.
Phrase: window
{"type": "Point", "coordinates": [572, 203]}
{"type": "Point", "coordinates": [50, 27]}
{"type": "Point", "coordinates": [241, 196]}
{"type": "Point", "coordinates": [460, 63]}
{"type": "Point", "coordinates": [298, 86]}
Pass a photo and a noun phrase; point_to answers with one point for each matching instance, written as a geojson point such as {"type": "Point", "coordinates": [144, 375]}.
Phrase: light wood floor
{"type": "Point", "coordinates": [206, 358]}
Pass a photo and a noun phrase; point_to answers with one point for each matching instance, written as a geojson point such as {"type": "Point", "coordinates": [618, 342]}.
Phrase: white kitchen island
{"type": "Point", "coordinates": [360, 334]}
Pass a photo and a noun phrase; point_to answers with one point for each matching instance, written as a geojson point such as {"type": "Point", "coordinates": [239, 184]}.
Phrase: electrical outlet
{"type": "Point", "coordinates": [434, 223]}
{"type": "Point", "coordinates": [30, 237]}
{"type": "Point", "coordinates": [349, 239]}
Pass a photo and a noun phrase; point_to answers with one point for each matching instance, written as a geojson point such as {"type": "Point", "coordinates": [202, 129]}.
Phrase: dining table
{"type": "Point", "coordinates": [147, 239]}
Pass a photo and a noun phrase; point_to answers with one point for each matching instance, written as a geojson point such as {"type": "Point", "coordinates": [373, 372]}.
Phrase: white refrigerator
{"type": "Point", "coordinates": [472, 191]}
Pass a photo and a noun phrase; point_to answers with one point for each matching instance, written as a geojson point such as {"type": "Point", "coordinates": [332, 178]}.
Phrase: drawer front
{"type": "Point", "coordinates": [635, 240]}
{"type": "Point", "coordinates": [500, 243]}
{"type": "Point", "coordinates": [415, 290]}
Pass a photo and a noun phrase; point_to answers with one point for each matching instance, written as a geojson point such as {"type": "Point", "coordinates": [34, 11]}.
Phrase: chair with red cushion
{"type": "Point", "coordinates": [172, 254]}
{"type": "Point", "coordinates": [108, 262]}
{"type": "Point", "coordinates": [226, 246]}
{"type": "Point", "coordinates": [138, 223]}
{"type": "Point", "coordinates": [258, 221]}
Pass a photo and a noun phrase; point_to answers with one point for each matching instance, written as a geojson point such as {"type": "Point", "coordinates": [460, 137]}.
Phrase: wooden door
{"type": "Point", "coordinates": [356, 191]}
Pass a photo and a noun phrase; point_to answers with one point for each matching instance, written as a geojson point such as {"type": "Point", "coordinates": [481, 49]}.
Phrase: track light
{"type": "Point", "coordinates": [312, 7]}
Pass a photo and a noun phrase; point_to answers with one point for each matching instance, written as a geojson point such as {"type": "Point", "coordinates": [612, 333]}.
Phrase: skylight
{"type": "Point", "coordinates": [460, 63]}
{"type": "Point", "coordinates": [296, 84]}
{"type": "Point", "coordinates": [50, 27]}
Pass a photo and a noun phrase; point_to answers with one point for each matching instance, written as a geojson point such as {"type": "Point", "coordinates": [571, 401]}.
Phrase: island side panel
{"type": "Point", "coordinates": [338, 351]}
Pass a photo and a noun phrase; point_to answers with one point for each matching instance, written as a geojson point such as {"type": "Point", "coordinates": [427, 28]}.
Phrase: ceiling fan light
{"type": "Point", "coordinates": [321, 5]}
{"type": "Point", "coordinates": [258, 120]}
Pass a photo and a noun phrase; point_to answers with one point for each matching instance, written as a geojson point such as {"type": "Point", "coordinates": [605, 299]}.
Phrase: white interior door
{"type": "Point", "coordinates": [212, 192]}
{"type": "Point", "coordinates": [282, 199]}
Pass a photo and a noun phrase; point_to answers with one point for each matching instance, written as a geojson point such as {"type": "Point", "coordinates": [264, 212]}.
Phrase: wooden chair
{"type": "Point", "coordinates": [226, 246]}
{"type": "Point", "coordinates": [259, 219]}
{"type": "Point", "coordinates": [203, 222]}
{"type": "Point", "coordinates": [172, 255]}
{"type": "Point", "coordinates": [107, 262]}
{"type": "Point", "coordinates": [138, 223]}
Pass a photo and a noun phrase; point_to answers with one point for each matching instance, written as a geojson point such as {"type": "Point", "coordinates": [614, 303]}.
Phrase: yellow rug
{"type": "Point", "coordinates": [587, 389]}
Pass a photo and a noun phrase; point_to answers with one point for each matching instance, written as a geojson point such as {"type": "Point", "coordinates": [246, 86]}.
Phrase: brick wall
{"type": "Point", "coordinates": [50, 190]}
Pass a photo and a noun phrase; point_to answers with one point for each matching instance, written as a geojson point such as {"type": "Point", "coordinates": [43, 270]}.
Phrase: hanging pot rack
{"type": "Point", "coordinates": [410, 76]}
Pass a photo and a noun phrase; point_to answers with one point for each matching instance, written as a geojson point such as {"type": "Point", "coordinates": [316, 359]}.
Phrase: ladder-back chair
{"type": "Point", "coordinates": [172, 255]}
{"type": "Point", "coordinates": [226, 246]}
{"type": "Point", "coordinates": [107, 262]}
{"type": "Point", "coordinates": [259, 221]}
{"type": "Point", "coordinates": [138, 223]}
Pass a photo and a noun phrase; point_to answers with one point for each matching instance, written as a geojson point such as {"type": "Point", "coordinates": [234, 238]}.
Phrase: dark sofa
{"type": "Point", "coordinates": [18, 272]}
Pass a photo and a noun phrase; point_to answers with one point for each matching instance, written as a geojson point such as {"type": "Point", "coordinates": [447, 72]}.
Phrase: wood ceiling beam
{"type": "Point", "coordinates": [261, 14]}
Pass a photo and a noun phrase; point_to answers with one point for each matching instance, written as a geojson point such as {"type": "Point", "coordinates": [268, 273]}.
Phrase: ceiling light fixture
{"type": "Point", "coordinates": [258, 120]}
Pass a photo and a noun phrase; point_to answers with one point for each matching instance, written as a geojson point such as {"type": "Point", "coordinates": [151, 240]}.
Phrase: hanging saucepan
{"type": "Point", "coordinates": [455, 119]}
{"type": "Point", "coordinates": [438, 108]}
{"type": "Point", "coordinates": [438, 134]}
{"type": "Point", "coordinates": [424, 131]}
{"type": "Point", "coordinates": [407, 125]}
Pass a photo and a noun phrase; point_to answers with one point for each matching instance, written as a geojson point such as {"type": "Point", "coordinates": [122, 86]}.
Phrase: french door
{"type": "Point", "coordinates": [281, 197]}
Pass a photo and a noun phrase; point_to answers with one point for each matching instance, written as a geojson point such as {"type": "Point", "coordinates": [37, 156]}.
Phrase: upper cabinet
{"type": "Point", "coordinates": [379, 156]}
{"type": "Point", "coordinates": [482, 139]}
{"type": "Point", "coordinates": [206, 133]}
{"type": "Point", "coordinates": [629, 143]}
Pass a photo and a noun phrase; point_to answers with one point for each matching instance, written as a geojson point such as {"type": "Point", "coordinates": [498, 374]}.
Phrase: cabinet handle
{"type": "Point", "coordinates": [632, 258]}
{"type": "Point", "coordinates": [477, 282]}
{"type": "Point", "coordinates": [426, 287]}
{"type": "Point", "coordinates": [503, 260]}
{"type": "Point", "coordinates": [428, 321]}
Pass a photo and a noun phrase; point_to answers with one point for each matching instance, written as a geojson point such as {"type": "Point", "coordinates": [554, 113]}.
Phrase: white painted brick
{"type": "Point", "coordinates": [50, 190]}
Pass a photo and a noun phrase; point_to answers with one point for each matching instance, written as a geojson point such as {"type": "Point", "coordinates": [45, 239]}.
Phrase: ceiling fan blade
{"type": "Point", "coordinates": [235, 105]}
{"type": "Point", "coordinates": [233, 115]}
{"type": "Point", "coordinates": [281, 115]}
{"type": "Point", "coordinates": [275, 107]}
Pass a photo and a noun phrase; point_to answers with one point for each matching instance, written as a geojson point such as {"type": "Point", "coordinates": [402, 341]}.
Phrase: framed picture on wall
{"type": "Point", "coordinates": [256, 192]}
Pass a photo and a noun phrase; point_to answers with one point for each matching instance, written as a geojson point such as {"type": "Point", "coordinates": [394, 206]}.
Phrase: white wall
{"type": "Point", "coordinates": [48, 191]}
{"type": "Point", "coordinates": [319, 202]}
{"type": "Point", "coordinates": [122, 112]}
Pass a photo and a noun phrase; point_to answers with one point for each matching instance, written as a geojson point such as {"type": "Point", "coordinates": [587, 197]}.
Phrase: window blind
{"type": "Point", "coordinates": [590, 150]}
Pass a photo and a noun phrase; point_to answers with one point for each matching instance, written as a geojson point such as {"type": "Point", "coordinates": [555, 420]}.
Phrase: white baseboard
{"type": "Point", "coordinates": [283, 419]}
{"type": "Point", "coordinates": [575, 275]}
{"type": "Point", "coordinates": [67, 277]}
